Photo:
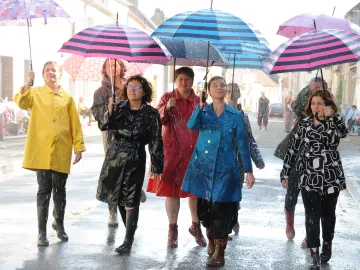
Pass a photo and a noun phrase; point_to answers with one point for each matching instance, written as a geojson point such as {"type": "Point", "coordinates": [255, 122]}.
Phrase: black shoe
{"type": "Point", "coordinates": [315, 264]}
{"type": "Point", "coordinates": [125, 248]}
{"type": "Point", "coordinates": [42, 240]}
{"type": "Point", "coordinates": [61, 234]}
{"type": "Point", "coordinates": [325, 252]}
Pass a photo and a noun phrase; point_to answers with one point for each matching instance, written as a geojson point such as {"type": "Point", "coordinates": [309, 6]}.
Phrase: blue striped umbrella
{"type": "Point", "coordinates": [211, 25]}
{"type": "Point", "coordinates": [225, 31]}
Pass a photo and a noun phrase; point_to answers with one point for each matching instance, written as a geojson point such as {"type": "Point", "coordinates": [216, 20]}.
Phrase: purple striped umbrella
{"type": "Point", "coordinates": [314, 50]}
{"type": "Point", "coordinates": [116, 41]}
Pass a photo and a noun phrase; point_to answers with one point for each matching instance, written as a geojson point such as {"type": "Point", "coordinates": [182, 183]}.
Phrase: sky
{"type": "Point", "coordinates": [265, 15]}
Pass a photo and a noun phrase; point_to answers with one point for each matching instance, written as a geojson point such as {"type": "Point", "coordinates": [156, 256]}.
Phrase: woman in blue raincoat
{"type": "Point", "coordinates": [213, 173]}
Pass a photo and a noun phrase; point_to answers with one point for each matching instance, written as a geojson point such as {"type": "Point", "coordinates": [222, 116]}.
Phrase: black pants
{"type": "Point", "coordinates": [293, 190]}
{"type": "Point", "coordinates": [49, 180]}
{"type": "Point", "coordinates": [219, 217]}
{"type": "Point", "coordinates": [318, 207]}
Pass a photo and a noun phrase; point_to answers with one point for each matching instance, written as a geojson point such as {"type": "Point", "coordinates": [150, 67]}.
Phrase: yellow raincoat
{"type": "Point", "coordinates": [54, 127]}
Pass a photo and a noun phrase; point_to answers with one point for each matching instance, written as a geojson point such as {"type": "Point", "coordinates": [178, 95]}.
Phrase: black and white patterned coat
{"type": "Point", "coordinates": [319, 164]}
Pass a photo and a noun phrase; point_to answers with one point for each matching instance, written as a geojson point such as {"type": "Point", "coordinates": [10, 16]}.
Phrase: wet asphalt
{"type": "Point", "coordinates": [261, 243]}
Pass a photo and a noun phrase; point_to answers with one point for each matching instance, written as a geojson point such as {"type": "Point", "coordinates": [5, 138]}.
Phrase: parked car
{"type": "Point", "coordinates": [276, 109]}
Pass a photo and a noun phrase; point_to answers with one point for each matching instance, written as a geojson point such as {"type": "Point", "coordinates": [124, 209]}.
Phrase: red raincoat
{"type": "Point", "coordinates": [179, 143]}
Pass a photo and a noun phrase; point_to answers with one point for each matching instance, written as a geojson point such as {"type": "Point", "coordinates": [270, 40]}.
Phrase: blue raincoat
{"type": "Point", "coordinates": [213, 172]}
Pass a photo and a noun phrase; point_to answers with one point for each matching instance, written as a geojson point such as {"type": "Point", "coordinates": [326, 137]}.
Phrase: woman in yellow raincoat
{"type": "Point", "coordinates": [54, 128]}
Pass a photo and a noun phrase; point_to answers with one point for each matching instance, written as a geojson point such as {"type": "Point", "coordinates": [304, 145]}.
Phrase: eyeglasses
{"type": "Point", "coordinates": [131, 87]}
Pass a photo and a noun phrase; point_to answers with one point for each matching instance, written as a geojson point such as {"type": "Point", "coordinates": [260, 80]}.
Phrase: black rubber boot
{"type": "Point", "coordinates": [315, 264]}
{"type": "Point", "coordinates": [132, 217]}
{"type": "Point", "coordinates": [325, 255]}
{"type": "Point", "coordinates": [122, 211]}
{"type": "Point", "coordinates": [58, 224]}
{"type": "Point", "coordinates": [42, 212]}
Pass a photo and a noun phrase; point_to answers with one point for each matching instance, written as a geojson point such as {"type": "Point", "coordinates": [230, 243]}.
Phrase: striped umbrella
{"type": "Point", "coordinates": [116, 41]}
{"type": "Point", "coordinates": [314, 50]}
{"type": "Point", "coordinates": [212, 25]}
{"type": "Point", "coordinates": [223, 30]}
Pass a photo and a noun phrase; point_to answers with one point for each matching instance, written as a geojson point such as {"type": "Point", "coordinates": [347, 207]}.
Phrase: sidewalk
{"type": "Point", "coordinates": [18, 141]}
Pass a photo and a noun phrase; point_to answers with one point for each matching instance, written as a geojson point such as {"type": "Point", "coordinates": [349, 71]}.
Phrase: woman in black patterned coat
{"type": "Point", "coordinates": [321, 173]}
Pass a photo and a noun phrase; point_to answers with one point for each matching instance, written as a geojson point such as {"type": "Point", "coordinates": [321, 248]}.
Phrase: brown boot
{"type": "Point", "coordinates": [290, 231]}
{"type": "Point", "coordinates": [218, 259]}
{"type": "Point", "coordinates": [211, 243]}
{"type": "Point", "coordinates": [195, 230]}
{"type": "Point", "coordinates": [173, 235]}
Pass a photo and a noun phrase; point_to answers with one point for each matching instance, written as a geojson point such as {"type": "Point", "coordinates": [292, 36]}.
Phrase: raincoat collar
{"type": "Point", "coordinates": [48, 90]}
{"type": "Point", "coordinates": [228, 108]}
{"type": "Point", "coordinates": [190, 97]}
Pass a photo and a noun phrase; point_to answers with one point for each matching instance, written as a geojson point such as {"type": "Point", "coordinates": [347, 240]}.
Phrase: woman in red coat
{"type": "Point", "coordinates": [175, 109]}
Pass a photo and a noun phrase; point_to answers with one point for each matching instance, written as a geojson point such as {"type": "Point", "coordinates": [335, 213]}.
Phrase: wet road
{"type": "Point", "coordinates": [261, 243]}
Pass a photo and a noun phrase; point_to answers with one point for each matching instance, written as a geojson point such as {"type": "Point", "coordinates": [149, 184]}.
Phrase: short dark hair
{"type": "Point", "coordinates": [120, 62]}
{"type": "Point", "coordinates": [320, 93]}
{"type": "Point", "coordinates": [213, 79]}
{"type": "Point", "coordinates": [147, 88]}
{"type": "Point", "coordinates": [185, 70]}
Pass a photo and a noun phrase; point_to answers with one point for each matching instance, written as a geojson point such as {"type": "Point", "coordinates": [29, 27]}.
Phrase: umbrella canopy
{"type": "Point", "coordinates": [313, 50]}
{"type": "Point", "coordinates": [116, 41]}
{"type": "Point", "coordinates": [90, 68]}
{"type": "Point", "coordinates": [212, 25]}
{"type": "Point", "coordinates": [307, 22]}
{"type": "Point", "coordinates": [223, 30]}
{"type": "Point", "coordinates": [249, 61]}
{"type": "Point", "coordinates": [192, 53]}
{"type": "Point", "coordinates": [20, 12]}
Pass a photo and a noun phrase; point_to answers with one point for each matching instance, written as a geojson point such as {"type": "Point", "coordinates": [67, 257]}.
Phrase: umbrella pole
{"type": "Point", "coordinates": [207, 65]}
{"type": "Point", "coordinates": [114, 86]}
{"type": "Point", "coordinates": [211, 4]}
{"type": "Point", "coordinates": [31, 66]}
{"type": "Point", "coordinates": [232, 85]}
{"type": "Point", "coordinates": [173, 93]}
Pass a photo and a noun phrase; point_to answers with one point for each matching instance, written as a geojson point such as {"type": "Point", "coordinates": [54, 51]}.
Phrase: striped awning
{"type": "Point", "coordinates": [116, 41]}
{"type": "Point", "coordinates": [313, 50]}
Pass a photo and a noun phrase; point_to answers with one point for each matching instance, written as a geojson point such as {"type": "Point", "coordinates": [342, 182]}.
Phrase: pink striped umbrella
{"type": "Point", "coordinates": [90, 68]}
{"type": "Point", "coordinates": [313, 50]}
{"type": "Point", "coordinates": [116, 41]}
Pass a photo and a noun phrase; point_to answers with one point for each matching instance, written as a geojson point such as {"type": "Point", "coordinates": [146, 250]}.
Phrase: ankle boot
{"type": "Point", "coordinates": [325, 252]}
{"type": "Point", "coordinates": [218, 258]}
{"type": "Point", "coordinates": [173, 235]}
{"type": "Point", "coordinates": [59, 214]}
{"type": "Point", "coordinates": [112, 222]}
{"type": "Point", "coordinates": [42, 213]}
{"type": "Point", "coordinates": [290, 231]}
{"type": "Point", "coordinates": [211, 243]}
{"type": "Point", "coordinates": [315, 264]}
{"type": "Point", "coordinates": [195, 230]}
{"type": "Point", "coordinates": [132, 217]}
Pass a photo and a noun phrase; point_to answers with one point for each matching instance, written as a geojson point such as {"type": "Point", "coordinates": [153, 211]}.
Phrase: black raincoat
{"type": "Point", "coordinates": [123, 171]}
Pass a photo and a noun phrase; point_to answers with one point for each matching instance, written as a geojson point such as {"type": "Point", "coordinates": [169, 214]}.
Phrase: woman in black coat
{"type": "Point", "coordinates": [135, 125]}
